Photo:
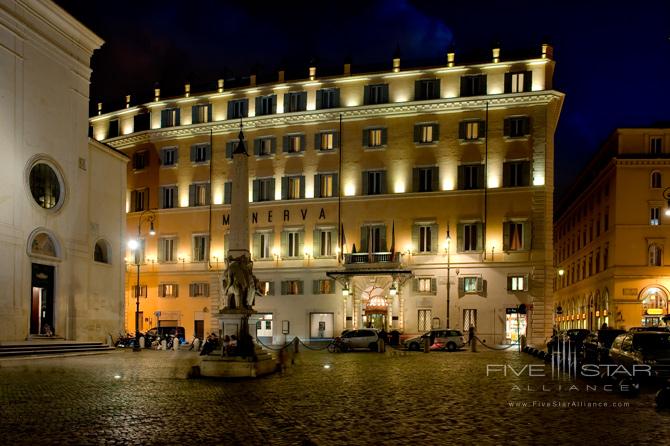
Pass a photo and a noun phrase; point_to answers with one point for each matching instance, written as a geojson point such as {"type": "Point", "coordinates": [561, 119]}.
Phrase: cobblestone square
{"type": "Point", "coordinates": [361, 398]}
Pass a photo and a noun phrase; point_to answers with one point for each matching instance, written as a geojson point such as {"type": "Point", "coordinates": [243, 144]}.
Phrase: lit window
{"type": "Point", "coordinates": [199, 289]}
{"type": "Point", "coordinates": [470, 284]}
{"type": "Point", "coordinates": [325, 243]}
{"type": "Point", "coordinates": [655, 255]}
{"type": "Point", "coordinates": [201, 113]}
{"type": "Point", "coordinates": [264, 242]}
{"type": "Point", "coordinates": [169, 117]}
{"type": "Point", "coordinates": [327, 141]}
{"type": "Point", "coordinates": [168, 290]}
{"type": "Point", "coordinates": [326, 185]}
{"type": "Point", "coordinates": [655, 216]}
{"type": "Point", "coordinates": [199, 194]}
{"type": "Point", "coordinates": [375, 138]}
{"type": "Point", "coordinates": [166, 249]}
{"type": "Point", "coordinates": [264, 189]}
{"type": "Point", "coordinates": [294, 143]}
{"type": "Point", "coordinates": [517, 283]}
{"type": "Point", "coordinates": [425, 239]}
{"type": "Point", "coordinates": [518, 82]}
{"type": "Point", "coordinates": [514, 234]}
{"type": "Point", "coordinates": [293, 244]}
{"type": "Point", "coordinates": [424, 285]}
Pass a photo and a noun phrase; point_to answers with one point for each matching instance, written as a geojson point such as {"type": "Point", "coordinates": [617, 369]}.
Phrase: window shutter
{"type": "Point", "coordinates": [161, 194]}
{"type": "Point", "coordinates": [229, 150]}
{"type": "Point", "coordinates": [506, 236]}
{"type": "Point", "coordinates": [257, 246]}
{"type": "Point", "coordinates": [191, 195]}
{"type": "Point", "coordinates": [316, 242]}
{"type": "Point", "coordinates": [415, 179]}
{"type": "Point", "coordinates": [527, 235]}
{"type": "Point", "coordinates": [273, 145]}
{"type": "Point", "coordinates": [301, 244]}
{"type": "Point", "coordinates": [317, 141]}
{"type": "Point", "coordinates": [227, 192]}
{"type": "Point", "coordinates": [208, 152]}
{"type": "Point", "coordinates": [272, 189]}
{"type": "Point", "coordinates": [366, 137]}
{"type": "Point", "coordinates": [284, 287]}
{"type": "Point", "coordinates": [417, 132]}
{"type": "Point", "coordinates": [271, 290]}
{"type": "Point", "coordinates": [133, 200]}
{"type": "Point", "coordinates": [480, 234]}
{"type": "Point", "coordinates": [301, 286]}
{"type": "Point", "coordinates": [336, 140]}
{"type": "Point", "coordinates": [464, 85]}
{"type": "Point", "coordinates": [176, 290]}
{"type": "Point", "coordinates": [317, 185]}
{"type": "Point", "coordinates": [418, 94]}
{"type": "Point", "coordinates": [382, 239]}
{"type": "Point", "coordinates": [257, 146]}
{"type": "Point", "coordinates": [384, 136]}
{"type": "Point", "coordinates": [383, 181]}
{"type": "Point", "coordinates": [481, 129]}
{"type": "Point", "coordinates": [258, 106]}
{"type": "Point", "coordinates": [194, 114]}
{"type": "Point", "coordinates": [433, 285]}
{"type": "Point", "coordinates": [526, 125]}
{"type": "Point", "coordinates": [229, 114]}
{"type": "Point", "coordinates": [193, 150]}
{"type": "Point", "coordinates": [365, 183]}
{"type": "Point", "coordinates": [506, 127]}
{"type": "Point", "coordinates": [460, 230]}
{"type": "Point", "coordinates": [303, 143]}
{"type": "Point", "coordinates": [287, 103]}
{"type": "Point", "coordinates": [435, 179]}
{"type": "Point", "coordinates": [366, 95]}
{"type": "Point", "coordinates": [303, 101]}
{"type": "Point", "coordinates": [509, 283]}
{"type": "Point", "coordinates": [284, 188]}
{"type": "Point", "coordinates": [336, 185]}
{"type": "Point", "coordinates": [462, 129]}
{"type": "Point", "coordinates": [482, 85]}
{"type": "Point", "coordinates": [415, 285]}
{"type": "Point", "coordinates": [285, 144]}
{"type": "Point", "coordinates": [525, 173]}
{"type": "Point", "coordinates": [507, 171]}
{"type": "Point", "coordinates": [480, 177]}
{"type": "Point", "coordinates": [163, 118]}
{"type": "Point", "coordinates": [480, 284]}
{"type": "Point", "coordinates": [315, 287]}
{"type": "Point", "coordinates": [245, 108]}
{"type": "Point", "coordinates": [527, 80]}
{"type": "Point", "coordinates": [284, 244]}
{"type": "Point", "coordinates": [416, 229]}
{"type": "Point", "coordinates": [161, 290]}
{"type": "Point", "coordinates": [365, 230]}
{"type": "Point", "coordinates": [161, 250]}
{"type": "Point", "coordinates": [273, 98]}
{"type": "Point", "coordinates": [461, 177]}
{"type": "Point", "coordinates": [461, 286]}
{"type": "Point", "coordinates": [319, 99]}
{"type": "Point", "coordinates": [208, 193]}
{"type": "Point", "coordinates": [525, 282]}
{"type": "Point", "coordinates": [209, 119]}
{"type": "Point", "coordinates": [191, 289]}
{"type": "Point", "coordinates": [302, 186]}
{"type": "Point", "coordinates": [336, 98]}
{"type": "Point", "coordinates": [161, 156]}
{"type": "Point", "coordinates": [256, 191]}
{"type": "Point", "coordinates": [385, 93]}
{"type": "Point", "coordinates": [508, 82]}
{"type": "Point", "coordinates": [433, 238]}
{"type": "Point", "coordinates": [436, 132]}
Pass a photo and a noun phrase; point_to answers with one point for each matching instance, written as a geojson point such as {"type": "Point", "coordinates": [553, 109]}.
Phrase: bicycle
{"type": "Point", "coordinates": [337, 346]}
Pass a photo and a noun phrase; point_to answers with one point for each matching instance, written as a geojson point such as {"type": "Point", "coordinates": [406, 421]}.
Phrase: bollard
{"type": "Point", "coordinates": [142, 342]}
{"type": "Point", "coordinates": [175, 343]}
{"type": "Point", "coordinates": [296, 344]}
{"type": "Point", "coordinates": [426, 344]}
{"type": "Point", "coordinates": [381, 346]}
{"type": "Point", "coordinates": [473, 344]}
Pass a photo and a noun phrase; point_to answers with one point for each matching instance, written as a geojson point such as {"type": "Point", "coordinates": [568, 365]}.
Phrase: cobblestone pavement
{"type": "Point", "coordinates": [361, 398]}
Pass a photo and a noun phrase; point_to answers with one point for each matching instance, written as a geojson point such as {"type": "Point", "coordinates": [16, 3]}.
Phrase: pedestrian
{"type": "Point", "coordinates": [383, 336]}
{"type": "Point", "coordinates": [471, 334]}
{"type": "Point", "coordinates": [225, 345]}
{"type": "Point", "coordinates": [604, 326]}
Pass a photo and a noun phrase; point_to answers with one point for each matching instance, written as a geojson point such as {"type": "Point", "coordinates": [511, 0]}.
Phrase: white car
{"type": "Point", "coordinates": [439, 340]}
{"type": "Point", "coordinates": [361, 338]}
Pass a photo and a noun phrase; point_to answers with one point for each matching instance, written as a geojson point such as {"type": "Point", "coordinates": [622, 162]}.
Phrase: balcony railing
{"type": "Point", "coordinates": [361, 258]}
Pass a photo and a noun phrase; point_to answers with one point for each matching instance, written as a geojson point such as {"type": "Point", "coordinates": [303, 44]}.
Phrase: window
{"type": "Point", "coordinates": [169, 117]}
{"type": "Point", "coordinates": [471, 284]}
{"type": "Point", "coordinates": [45, 185]}
{"type": "Point", "coordinates": [425, 179]}
{"type": "Point", "coordinates": [200, 248]}
{"type": "Point", "coordinates": [141, 122]}
{"type": "Point", "coordinates": [516, 127]}
{"type": "Point", "coordinates": [265, 146]}
{"type": "Point", "coordinates": [516, 174]}
{"type": "Point", "coordinates": [655, 145]}
{"type": "Point", "coordinates": [327, 98]}
{"type": "Point", "coordinates": [140, 160]}
{"type": "Point", "coordinates": [655, 255]}
{"type": "Point", "coordinates": [168, 197]}
{"type": "Point", "coordinates": [166, 249]}
{"type": "Point", "coordinates": [470, 176]}
{"type": "Point", "coordinates": [264, 189]}
{"type": "Point", "coordinates": [169, 156]}
{"type": "Point", "coordinates": [292, 243]}
{"type": "Point", "coordinates": [267, 289]}
{"type": "Point", "coordinates": [139, 200]}
{"type": "Point", "coordinates": [424, 238]}
{"type": "Point", "coordinates": [469, 237]}
{"type": "Point", "coordinates": [266, 105]}
{"type": "Point", "coordinates": [425, 89]}
{"type": "Point", "coordinates": [200, 153]}
{"type": "Point", "coordinates": [201, 113]}
{"type": "Point", "coordinates": [325, 185]}
{"type": "Point", "coordinates": [262, 245]}
{"type": "Point", "coordinates": [516, 236]}
{"type": "Point", "coordinates": [230, 148]}
{"type": "Point", "coordinates": [518, 82]}
{"type": "Point", "coordinates": [655, 216]}
{"type": "Point", "coordinates": [424, 320]}
{"type": "Point", "coordinates": [323, 242]}
{"type": "Point", "coordinates": [373, 238]}
{"type": "Point", "coordinates": [426, 133]}
{"type": "Point", "coordinates": [474, 85]}
{"type": "Point", "coordinates": [113, 131]}
{"type": "Point", "coordinates": [293, 187]}
{"type": "Point", "coordinates": [101, 252]}
{"type": "Point", "coordinates": [517, 282]}
{"type": "Point", "coordinates": [168, 290]}
{"type": "Point", "coordinates": [238, 109]}
{"type": "Point", "coordinates": [294, 143]}
{"type": "Point", "coordinates": [326, 141]}
{"type": "Point", "coordinates": [469, 319]}
{"type": "Point", "coordinates": [324, 286]}
{"type": "Point", "coordinates": [656, 180]}
{"type": "Point", "coordinates": [374, 182]}
{"type": "Point", "coordinates": [227, 192]}
{"type": "Point", "coordinates": [376, 94]}
{"type": "Point", "coordinates": [291, 287]}
{"type": "Point", "coordinates": [198, 194]}
{"type": "Point", "coordinates": [426, 285]}
{"type": "Point", "coordinates": [471, 130]}
{"type": "Point", "coordinates": [295, 102]}
{"type": "Point", "coordinates": [198, 289]}
{"type": "Point", "coordinates": [374, 137]}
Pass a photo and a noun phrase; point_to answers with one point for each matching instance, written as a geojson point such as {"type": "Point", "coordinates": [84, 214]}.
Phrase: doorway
{"type": "Point", "coordinates": [199, 328]}
{"type": "Point", "coordinates": [42, 300]}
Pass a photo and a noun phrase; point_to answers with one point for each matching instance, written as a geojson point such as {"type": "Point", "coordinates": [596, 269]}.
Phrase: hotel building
{"type": "Point", "coordinates": [440, 179]}
{"type": "Point", "coordinates": [610, 233]}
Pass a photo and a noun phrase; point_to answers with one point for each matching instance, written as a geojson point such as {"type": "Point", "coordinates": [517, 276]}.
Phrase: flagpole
{"type": "Point", "coordinates": [339, 199]}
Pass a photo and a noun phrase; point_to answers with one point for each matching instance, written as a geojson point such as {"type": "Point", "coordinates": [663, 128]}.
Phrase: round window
{"type": "Point", "coordinates": [45, 185]}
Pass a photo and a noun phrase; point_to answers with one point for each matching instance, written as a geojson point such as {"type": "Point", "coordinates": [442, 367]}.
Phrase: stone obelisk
{"type": "Point", "coordinates": [239, 203]}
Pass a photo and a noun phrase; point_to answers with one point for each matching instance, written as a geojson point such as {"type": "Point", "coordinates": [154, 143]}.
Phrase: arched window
{"type": "Point", "coordinates": [101, 251]}
{"type": "Point", "coordinates": [656, 180]}
{"type": "Point", "coordinates": [655, 255]}
{"type": "Point", "coordinates": [43, 244]}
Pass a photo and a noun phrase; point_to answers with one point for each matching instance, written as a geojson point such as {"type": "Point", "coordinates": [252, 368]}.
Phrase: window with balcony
{"type": "Point", "coordinates": [374, 182]}
{"type": "Point", "coordinates": [373, 238]}
{"type": "Point", "coordinates": [470, 176]}
{"type": "Point", "coordinates": [293, 187]}
{"type": "Point", "coordinates": [325, 185]}
{"type": "Point", "coordinates": [516, 174]}
{"type": "Point", "coordinates": [425, 179]}
{"type": "Point", "coordinates": [516, 236]}
{"type": "Point", "coordinates": [169, 117]}
{"type": "Point", "coordinates": [294, 143]}
{"type": "Point", "coordinates": [470, 237]}
{"type": "Point", "coordinates": [166, 249]}
{"type": "Point", "coordinates": [200, 248]}
{"type": "Point", "coordinates": [238, 109]}
{"type": "Point", "coordinates": [656, 145]}
{"type": "Point", "coordinates": [266, 105]}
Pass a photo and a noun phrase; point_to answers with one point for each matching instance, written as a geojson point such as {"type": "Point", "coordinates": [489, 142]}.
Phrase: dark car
{"type": "Point", "coordinates": [597, 345]}
{"type": "Point", "coordinates": [643, 348]}
{"type": "Point", "coordinates": [160, 333]}
{"type": "Point", "coordinates": [568, 341]}
{"type": "Point", "coordinates": [649, 329]}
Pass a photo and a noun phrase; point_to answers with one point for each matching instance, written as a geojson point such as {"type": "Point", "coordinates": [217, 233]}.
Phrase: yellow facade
{"type": "Point", "coordinates": [611, 233]}
{"type": "Point", "coordinates": [400, 208]}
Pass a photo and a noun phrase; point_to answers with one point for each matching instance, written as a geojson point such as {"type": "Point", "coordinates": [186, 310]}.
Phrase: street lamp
{"type": "Point", "coordinates": [448, 272]}
{"type": "Point", "coordinates": [134, 245]}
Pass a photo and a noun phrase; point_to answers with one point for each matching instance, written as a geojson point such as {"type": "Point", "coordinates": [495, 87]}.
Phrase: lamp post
{"type": "Point", "coordinates": [134, 246]}
{"type": "Point", "coordinates": [448, 272]}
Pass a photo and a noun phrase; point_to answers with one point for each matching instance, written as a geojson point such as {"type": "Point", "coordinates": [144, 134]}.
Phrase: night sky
{"type": "Point", "coordinates": [613, 57]}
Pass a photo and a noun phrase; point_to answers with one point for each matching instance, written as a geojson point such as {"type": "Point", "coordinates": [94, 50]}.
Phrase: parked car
{"type": "Point", "coordinates": [439, 339]}
{"type": "Point", "coordinates": [571, 340]}
{"type": "Point", "coordinates": [649, 329]}
{"type": "Point", "coordinates": [650, 348]}
{"type": "Point", "coordinates": [361, 338]}
{"type": "Point", "coordinates": [597, 345]}
{"type": "Point", "coordinates": [159, 333]}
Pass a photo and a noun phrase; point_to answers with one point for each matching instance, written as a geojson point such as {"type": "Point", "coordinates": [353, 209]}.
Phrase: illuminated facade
{"type": "Point", "coordinates": [61, 267]}
{"type": "Point", "coordinates": [399, 159]}
{"type": "Point", "coordinates": [611, 234]}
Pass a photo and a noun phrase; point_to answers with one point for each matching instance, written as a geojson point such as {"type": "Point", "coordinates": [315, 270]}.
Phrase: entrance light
{"type": "Point", "coordinates": [393, 290]}
{"type": "Point", "coordinates": [345, 290]}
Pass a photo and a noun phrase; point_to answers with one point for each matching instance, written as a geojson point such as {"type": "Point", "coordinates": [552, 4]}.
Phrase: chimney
{"type": "Point", "coordinates": [157, 92]}
{"type": "Point", "coordinates": [312, 73]}
{"type": "Point", "coordinates": [280, 76]}
{"type": "Point", "coordinates": [187, 89]}
{"type": "Point", "coordinates": [220, 85]}
{"type": "Point", "coordinates": [396, 59]}
{"type": "Point", "coordinates": [347, 66]}
{"type": "Point", "coordinates": [496, 54]}
{"type": "Point", "coordinates": [252, 80]}
{"type": "Point", "coordinates": [99, 108]}
{"type": "Point", "coordinates": [547, 51]}
{"type": "Point", "coordinates": [451, 56]}
{"type": "Point", "coordinates": [127, 101]}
